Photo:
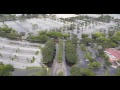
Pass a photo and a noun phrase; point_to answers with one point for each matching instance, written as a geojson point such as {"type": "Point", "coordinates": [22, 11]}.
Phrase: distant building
{"type": "Point", "coordinates": [114, 56]}
{"type": "Point", "coordinates": [113, 53]}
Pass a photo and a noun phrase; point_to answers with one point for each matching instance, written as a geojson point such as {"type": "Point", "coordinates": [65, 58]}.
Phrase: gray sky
{"type": "Point", "coordinates": [91, 15]}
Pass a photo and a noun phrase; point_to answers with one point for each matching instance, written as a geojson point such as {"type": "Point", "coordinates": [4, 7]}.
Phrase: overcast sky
{"type": "Point", "coordinates": [91, 15]}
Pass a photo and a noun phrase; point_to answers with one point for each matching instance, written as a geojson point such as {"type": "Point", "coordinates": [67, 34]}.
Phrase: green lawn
{"type": "Point", "coordinates": [59, 58]}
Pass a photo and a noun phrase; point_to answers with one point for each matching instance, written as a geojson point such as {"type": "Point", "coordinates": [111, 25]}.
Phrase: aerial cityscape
{"type": "Point", "coordinates": [59, 44]}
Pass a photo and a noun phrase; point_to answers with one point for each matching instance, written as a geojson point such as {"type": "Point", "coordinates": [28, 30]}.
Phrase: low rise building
{"type": "Point", "coordinates": [114, 55]}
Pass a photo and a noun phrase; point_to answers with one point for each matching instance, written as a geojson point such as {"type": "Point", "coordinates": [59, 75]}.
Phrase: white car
{"type": "Point", "coordinates": [87, 60]}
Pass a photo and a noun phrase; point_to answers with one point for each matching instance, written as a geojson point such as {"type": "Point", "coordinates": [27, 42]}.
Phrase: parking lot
{"type": "Point", "coordinates": [19, 54]}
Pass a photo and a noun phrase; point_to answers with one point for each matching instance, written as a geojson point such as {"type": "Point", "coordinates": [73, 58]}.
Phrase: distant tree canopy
{"type": "Point", "coordinates": [66, 36]}
{"type": "Point", "coordinates": [54, 35]}
{"type": "Point", "coordinates": [40, 39]}
{"type": "Point", "coordinates": [87, 41]}
{"type": "Point", "coordinates": [43, 36]}
{"type": "Point", "coordinates": [111, 33]}
{"type": "Point", "coordinates": [106, 42]}
{"type": "Point", "coordinates": [6, 29]}
{"type": "Point", "coordinates": [31, 15]}
{"type": "Point", "coordinates": [10, 33]}
{"type": "Point", "coordinates": [74, 39]}
{"type": "Point", "coordinates": [104, 18]}
{"type": "Point", "coordinates": [7, 17]}
{"type": "Point", "coordinates": [115, 39]}
{"type": "Point", "coordinates": [97, 35]}
{"type": "Point", "coordinates": [42, 33]}
{"type": "Point", "coordinates": [84, 35]}
{"type": "Point", "coordinates": [117, 33]}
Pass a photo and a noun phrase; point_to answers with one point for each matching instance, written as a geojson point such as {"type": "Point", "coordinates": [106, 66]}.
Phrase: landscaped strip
{"type": "Point", "coordinates": [59, 58]}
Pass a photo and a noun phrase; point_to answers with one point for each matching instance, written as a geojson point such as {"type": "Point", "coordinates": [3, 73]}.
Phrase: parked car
{"type": "Point", "coordinates": [87, 60]}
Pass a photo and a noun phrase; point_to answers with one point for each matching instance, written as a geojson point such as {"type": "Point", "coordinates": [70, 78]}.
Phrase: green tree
{"type": "Point", "coordinates": [118, 72]}
{"type": "Point", "coordinates": [94, 65]}
{"type": "Point", "coordinates": [88, 56]}
{"type": "Point", "coordinates": [42, 33]}
{"type": "Point", "coordinates": [66, 36]}
{"type": "Point", "coordinates": [83, 47]}
{"type": "Point", "coordinates": [115, 39]}
{"type": "Point", "coordinates": [87, 41]}
{"type": "Point", "coordinates": [41, 38]}
{"type": "Point", "coordinates": [74, 39]}
{"type": "Point", "coordinates": [103, 39]}
{"type": "Point", "coordinates": [70, 52]}
{"type": "Point", "coordinates": [117, 33]}
{"type": "Point", "coordinates": [5, 70]}
{"type": "Point", "coordinates": [84, 35]}
{"type": "Point", "coordinates": [97, 35]}
{"type": "Point", "coordinates": [48, 51]}
{"type": "Point", "coordinates": [76, 71]}
{"type": "Point", "coordinates": [110, 33]}
{"type": "Point", "coordinates": [54, 35]}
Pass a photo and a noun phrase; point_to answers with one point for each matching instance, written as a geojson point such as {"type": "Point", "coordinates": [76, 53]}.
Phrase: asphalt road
{"type": "Point", "coordinates": [55, 63]}
{"type": "Point", "coordinates": [56, 67]}
{"type": "Point", "coordinates": [66, 67]}
{"type": "Point", "coordinates": [81, 60]}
